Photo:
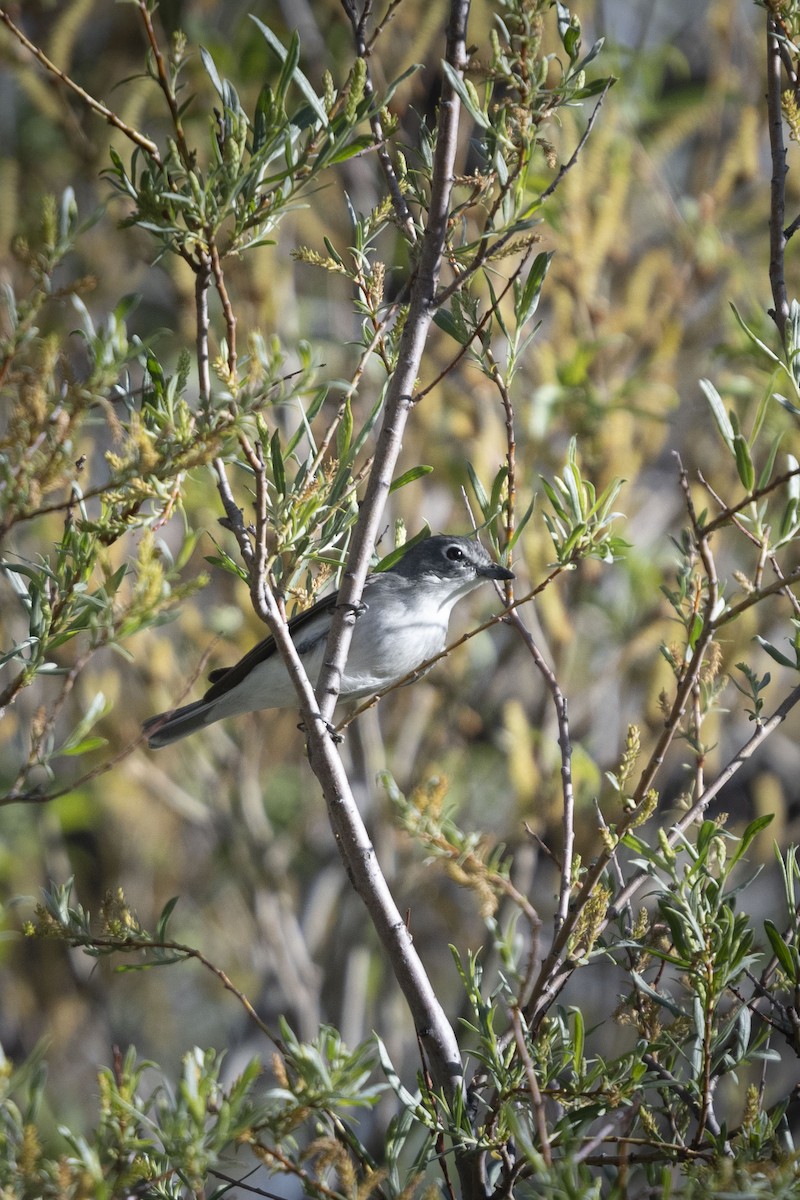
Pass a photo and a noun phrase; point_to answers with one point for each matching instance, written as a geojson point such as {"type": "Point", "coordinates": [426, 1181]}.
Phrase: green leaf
{"type": "Point", "coordinates": [367, 427]}
{"type": "Point", "coordinates": [555, 500]}
{"type": "Point", "coordinates": [590, 57]}
{"type": "Point", "coordinates": [774, 653]}
{"type": "Point", "coordinates": [212, 72]}
{"type": "Point", "coordinates": [276, 457]}
{"type": "Point", "coordinates": [306, 417]}
{"type": "Point", "coordinates": [391, 88]}
{"type": "Point", "coordinates": [751, 832]}
{"type": "Point", "coordinates": [262, 117]}
{"type": "Point", "coordinates": [762, 346]}
{"type": "Point", "coordinates": [718, 411]}
{"type": "Point", "coordinates": [572, 42]}
{"type": "Point", "coordinates": [528, 300]}
{"type": "Point", "coordinates": [290, 64]}
{"type": "Point", "coordinates": [521, 523]}
{"type": "Point", "coordinates": [410, 1103]}
{"type": "Point", "coordinates": [166, 913]}
{"type": "Point", "coordinates": [787, 404]}
{"type": "Point", "coordinates": [578, 1040]}
{"type": "Point", "coordinates": [480, 492]}
{"type": "Point", "coordinates": [334, 253]}
{"type": "Point", "coordinates": [351, 149]}
{"type": "Point", "coordinates": [782, 952]}
{"type": "Point", "coordinates": [32, 573]}
{"type": "Point", "coordinates": [93, 742]}
{"type": "Point", "coordinates": [226, 563]}
{"type": "Point", "coordinates": [495, 501]}
{"type": "Point", "coordinates": [769, 466]}
{"type": "Point", "coordinates": [592, 89]}
{"type": "Point", "coordinates": [744, 463]}
{"type": "Point", "coordinates": [344, 432]}
{"type": "Point", "coordinates": [299, 78]}
{"type": "Point", "coordinates": [409, 477]}
{"type": "Point", "coordinates": [456, 329]}
{"type": "Point", "coordinates": [658, 997]}
{"type": "Point", "coordinates": [467, 95]}
{"type": "Point", "coordinates": [80, 741]}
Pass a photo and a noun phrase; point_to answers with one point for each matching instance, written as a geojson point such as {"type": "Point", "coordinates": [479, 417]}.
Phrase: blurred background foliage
{"type": "Point", "coordinates": [662, 223]}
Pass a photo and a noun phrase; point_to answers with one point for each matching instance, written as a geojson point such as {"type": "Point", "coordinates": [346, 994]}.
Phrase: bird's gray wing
{"type": "Point", "coordinates": [226, 678]}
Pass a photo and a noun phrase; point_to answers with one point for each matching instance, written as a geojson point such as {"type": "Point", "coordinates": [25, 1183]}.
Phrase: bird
{"type": "Point", "coordinates": [401, 622]}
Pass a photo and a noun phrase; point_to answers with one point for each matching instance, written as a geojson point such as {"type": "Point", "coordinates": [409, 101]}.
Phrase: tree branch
{"type": "Point", "coordinates": [777, 207]}
{"type": "Point", "coordinates": [433, 1027]}
{"type": "Point", "coordinates": [107, 114]}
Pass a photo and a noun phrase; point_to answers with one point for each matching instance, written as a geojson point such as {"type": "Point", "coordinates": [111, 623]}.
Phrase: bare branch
{"type": "Point", "coordinates": [433, 1027]}
{"type": "Point", "coordinates": [201, 286]}
{"type": "Point", "coordinates": [565, 746]}
{"type": "Point", "coordinates": [363, 51]}
{"type": "Point", "coordinates": [227, 307]}
{"type": "Point", "coordinates": [777, 208]}
{"type": "Point", "coordinates": [400, 389]}
{"type": "Point", "coordinates": [571, 161]}
{"type": "Point", "coordinates": [107, 114]}
{"type": "Point", "coordinates": [533, 1086]}
{"type": "Point", "coordinates": [165, 84]}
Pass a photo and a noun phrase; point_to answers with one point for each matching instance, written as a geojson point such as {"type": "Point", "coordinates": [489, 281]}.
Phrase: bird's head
{"type": "Point", "coordinates": [448, 559]}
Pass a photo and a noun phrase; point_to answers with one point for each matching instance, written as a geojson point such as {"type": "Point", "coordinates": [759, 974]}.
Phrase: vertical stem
{"type": "Point", "coordinates": [363, 51]}
{"type": "Point", "coordinates": [777, 213]}
{"type": "Point", "coordinates": [401, 386]}
{"type": "Point", "coordinates": [430, 1019]}
{"type": "Point", "coordinates": [202, 283]}
{"type": "Point", "coordinates": [565, 746]}
{"type": "Point", "coordinates": [165, 84]}
{"type": "Point", "coordinates": [227, 307]}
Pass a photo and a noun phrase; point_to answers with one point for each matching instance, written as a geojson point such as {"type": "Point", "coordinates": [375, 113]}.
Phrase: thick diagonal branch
{"type": "Point", "coordinates": [434, 1029]}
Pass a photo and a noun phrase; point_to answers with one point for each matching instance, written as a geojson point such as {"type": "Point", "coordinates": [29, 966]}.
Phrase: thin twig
{"type": "Point", "coordinates": [421, 393]}
{"type": "Point", "coordinates": [355, 379]}
{"type": "Point", "coordinates": [37, 796]}
{"type": "Point", "coordinates": [399, 204]}
{"type": "Point", "coordinates": [724, 517]}
{"type": "Point", "coordinates": [166, 86]}
{"type": "Point", "coordinates": [777, 207]}
{"type": "Point", "coordinates": [242, 1183]}
{"type": "Point", "coordinates": [389, 15]}
{"type": "Point", "coordinates": [127, 945]}
{"type": "Point", "coordinates": [565, 746]}
{"type": "Point", "coordinates": [692, 670]}
{"type": "Point", "coordinates": [511, 443]}
{"type": "Point", "coordinates": [555, 969]}
{"type": "Point", "coordinates": [769, 589]}
{"type": "Point", "coordinates": [107, 114]}
{"type": "Point", "coordinates": [539, 1114]}
{"type": "Point", "coordinates": [227, 307]}
{"type": "Point", "coordinates": [567, 166]}
{"type": "Point", "coordinates": [201, 286]}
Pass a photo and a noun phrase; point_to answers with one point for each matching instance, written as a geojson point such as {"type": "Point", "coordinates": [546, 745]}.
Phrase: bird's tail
{"type": "Point", "coordinates": [168, 727]}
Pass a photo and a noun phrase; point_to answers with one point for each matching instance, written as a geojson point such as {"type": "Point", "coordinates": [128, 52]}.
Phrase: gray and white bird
{"type": "Point", "coordinates": [403, 622]}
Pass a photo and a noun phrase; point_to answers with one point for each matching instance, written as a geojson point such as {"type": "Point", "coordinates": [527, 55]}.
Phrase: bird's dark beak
{"type": "Point", "coordinates": [495, 571]}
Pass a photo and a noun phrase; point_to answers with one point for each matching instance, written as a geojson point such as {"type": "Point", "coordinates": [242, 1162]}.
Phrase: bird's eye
{"type": "Point", "coordinates": [454, 553]}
